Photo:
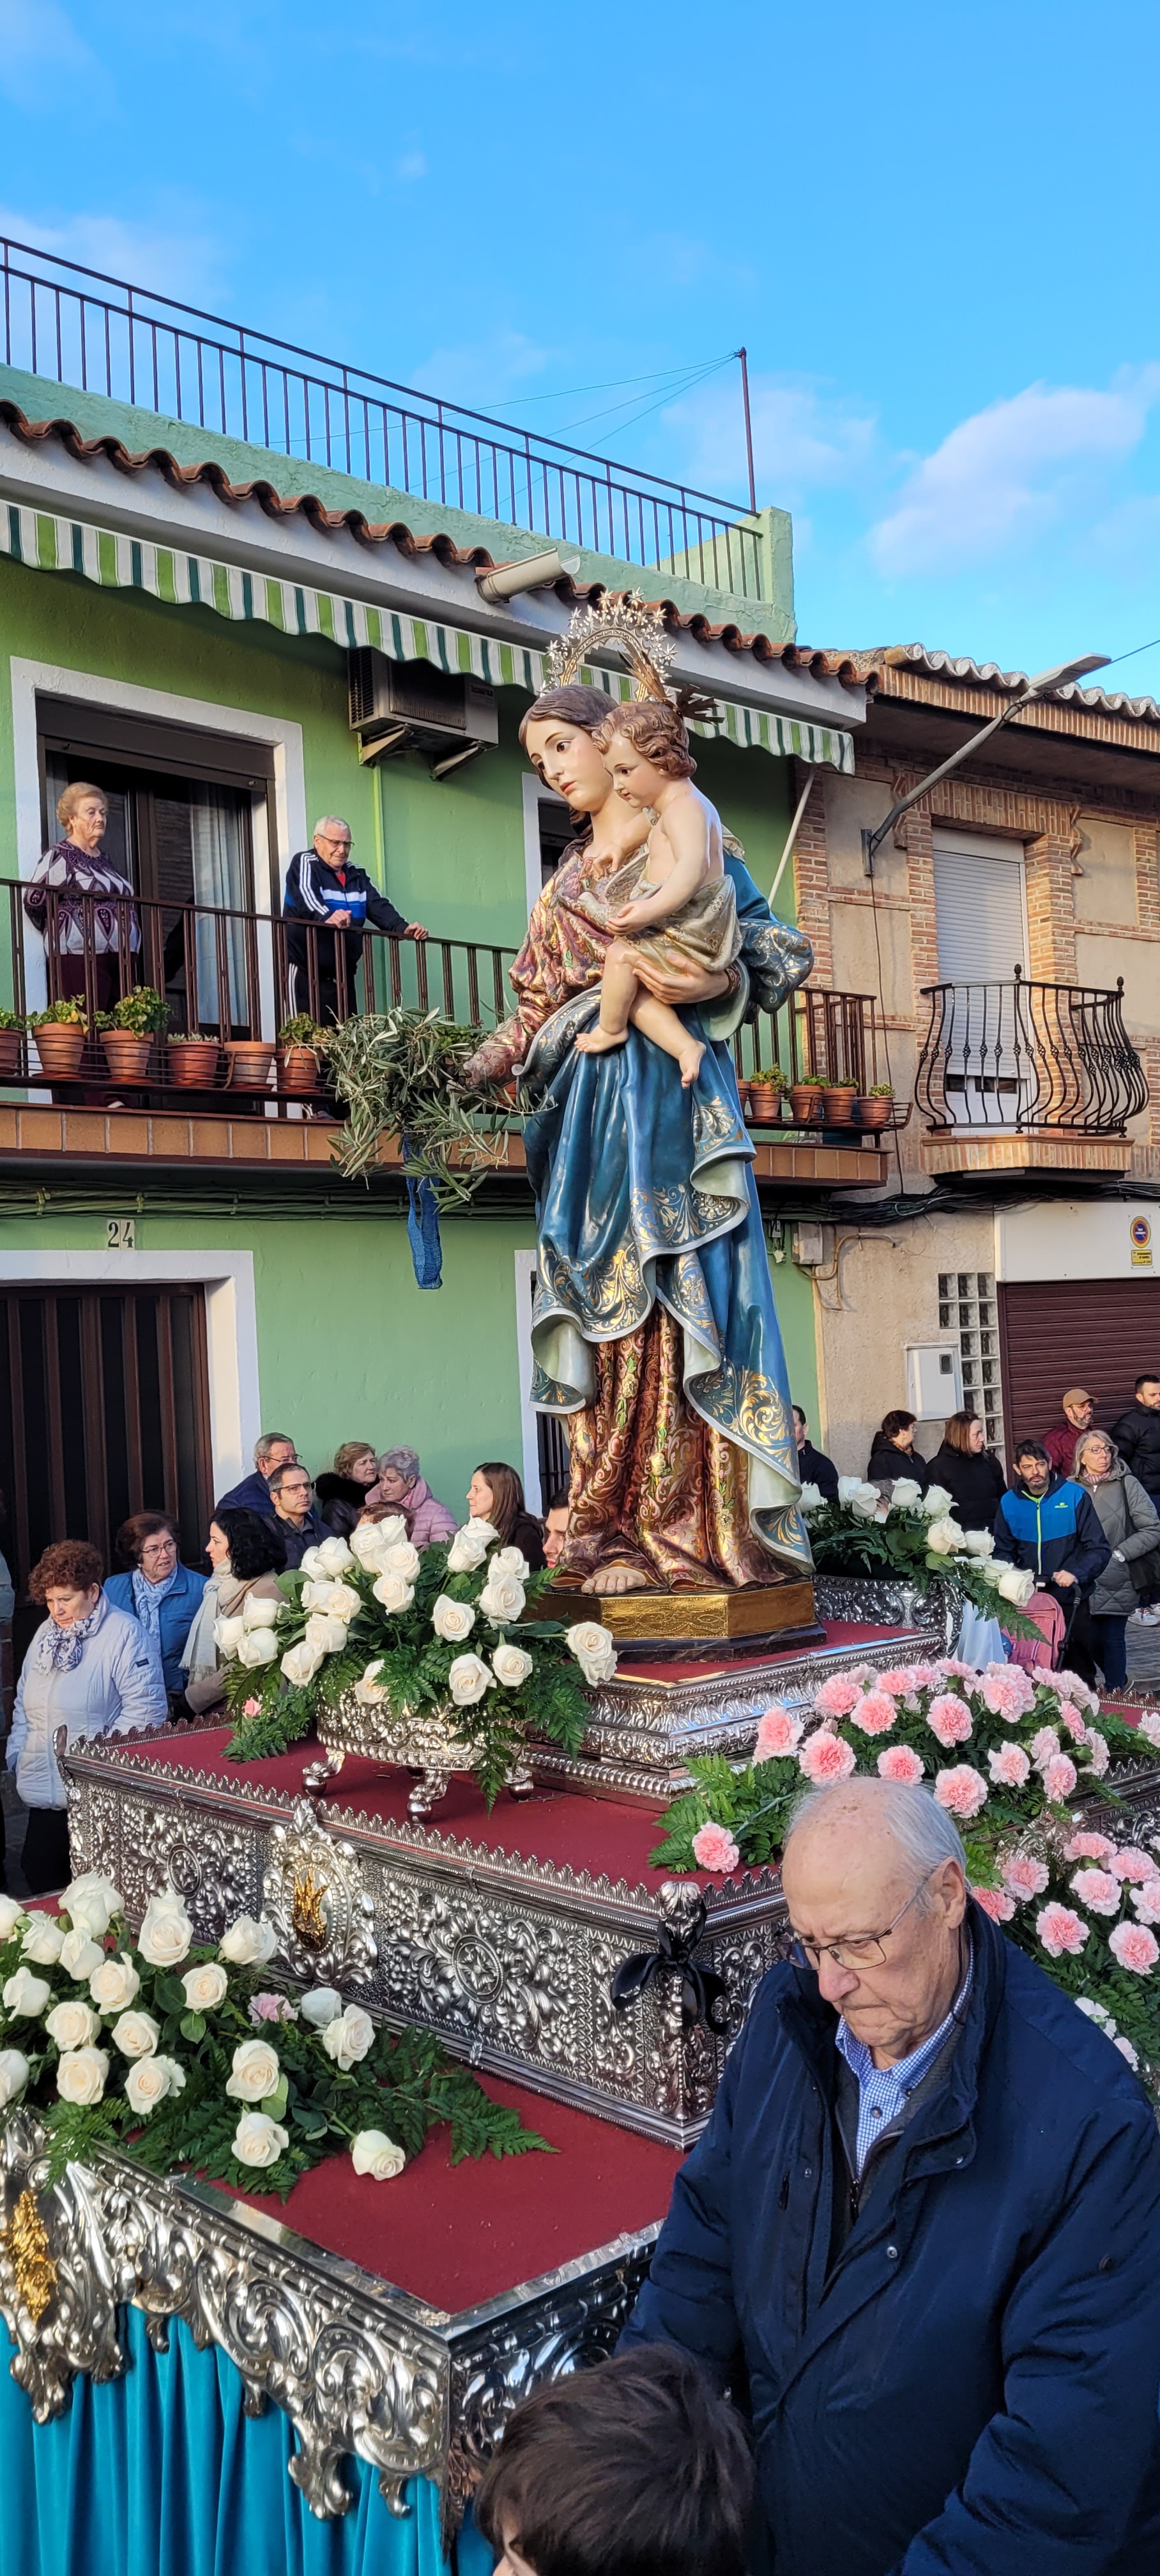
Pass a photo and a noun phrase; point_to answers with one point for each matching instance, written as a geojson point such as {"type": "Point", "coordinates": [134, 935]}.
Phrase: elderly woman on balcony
{"type": "Point", "coordinates": [90, 921]}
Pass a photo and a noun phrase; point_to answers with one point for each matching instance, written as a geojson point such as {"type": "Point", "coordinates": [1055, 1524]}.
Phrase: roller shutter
{"type": "Point", "coordinates": [1098, 1333]}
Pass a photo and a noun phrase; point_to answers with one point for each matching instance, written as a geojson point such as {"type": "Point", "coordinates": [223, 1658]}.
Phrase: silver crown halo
{"type": "Point", "coordinates": [637, 632]}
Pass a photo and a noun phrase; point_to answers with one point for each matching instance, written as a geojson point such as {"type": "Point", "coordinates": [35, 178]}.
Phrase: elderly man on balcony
{"type": "Point", "coordinates": [325, 889]}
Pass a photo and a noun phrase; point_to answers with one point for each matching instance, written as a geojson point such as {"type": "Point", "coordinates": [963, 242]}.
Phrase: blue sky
{"type": "Point", "coordinates": [934, 229]}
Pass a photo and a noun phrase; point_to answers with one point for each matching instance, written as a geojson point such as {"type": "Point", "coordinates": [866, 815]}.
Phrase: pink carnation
{"type": "Point", "coordinates": [962, 1791]}
{"type": "Point", "coordinates": [899, 1763]}
{"type": "Point", "coordinates": [1146, 1900]}
{"type": "Point", "coordinates": [1007, 1692]}
{"type": "Point", "coordinates": [1132, 1863]}
{"type": "Point", "coordinates": [923, 1676]}
{"type": "Point", "coordinates": [1024, 1876]}
{"type": "Point", "coordinates": [1059, 1779]}
{"type": "Point", "coordinates": [1075, 1725]}
{"type": "Point", "coordinates": [825, 1758]}
{"type": "Point", "coordinates": [777, 1733]}
{"type": "Point", "coordinates": [896, 1682]}
{"type": "Point", "coordinates": [1150, 1726]}
{"type": "Point", "coordinates": [272, 2008]}
{"type": "Point", "coordinates": [949, 1669]}
{"type": "Point", "coordinates": [1044, 1746]}
{"type": "Point", "coordinates": [875, 1714]}
{"type": "Point", "coordinates": [1098, 1756]}
{"type": "Point", "coordinates": [252, 1708]}
{"type": "Point", "coordinates": [1098, 1890]}
{"type": "Point", "coordinates": [1009, 1767]}
{"type": "Point", "coordinates": [1060, 1930]}
{"type": "Point", "coordinates": [1069, 1686]}
{"type": "Point", "coordinates": [715, 1849]}
{"type": "Point", "coordinates": [1088, 1847]}
{"type": "Point", "coordinates": [837, 1697]}
{"type": "Point", "coordinates": [950, 1719]}
{"type": "Point", "coordinates": [1134, 1947]}
{"type": "Point", "coordinates": [995, 1902]}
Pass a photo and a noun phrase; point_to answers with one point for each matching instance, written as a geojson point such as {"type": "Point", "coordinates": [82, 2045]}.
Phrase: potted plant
{"type": "Point", "coordinates": [765, 1094]}
{"type": "Point", "coordinates": [11, 1031]}
{"type": "Point", "coordinates": [873, 1108]}
{"type": "Point", "coordinates": [250, 1060]}
{"type": "Point", "coordinates": [805, 1100]}
{"type": "Point", "coordinates": [60, 1033]}
{"type": "Point", "coordinates": [128, 1031]}
{"type": "Point", "coordinates": [300, 1046]}
{"type": "Point", "coordinates": [838, 1103]}
{"type": "Point", "coordinates": [192, 1061]}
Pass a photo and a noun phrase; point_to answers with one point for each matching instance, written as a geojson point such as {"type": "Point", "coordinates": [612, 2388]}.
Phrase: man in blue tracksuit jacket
{"type": "Point", "coordinates": [1049, 1525]}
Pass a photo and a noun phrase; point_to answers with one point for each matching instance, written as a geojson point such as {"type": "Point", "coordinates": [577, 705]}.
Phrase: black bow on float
{"type": "Point", "coordinates": [703, 1993]}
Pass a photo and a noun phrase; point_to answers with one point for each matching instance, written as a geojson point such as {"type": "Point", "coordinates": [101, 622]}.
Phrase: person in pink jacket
{"type": "Point", "coordinates": [402, 1487]}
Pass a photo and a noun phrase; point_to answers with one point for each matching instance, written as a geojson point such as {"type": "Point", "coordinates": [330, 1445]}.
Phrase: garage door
{"type": "Point", "coordinates": [1098, 1333]}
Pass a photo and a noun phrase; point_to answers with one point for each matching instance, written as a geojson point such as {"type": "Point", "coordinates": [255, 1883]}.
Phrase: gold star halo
{"type": "Point", "coordinates": [635, 630]}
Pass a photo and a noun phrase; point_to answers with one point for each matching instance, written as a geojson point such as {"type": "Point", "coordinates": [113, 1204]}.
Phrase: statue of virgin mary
{"type": "Point", "coordinates": [654, 1328]}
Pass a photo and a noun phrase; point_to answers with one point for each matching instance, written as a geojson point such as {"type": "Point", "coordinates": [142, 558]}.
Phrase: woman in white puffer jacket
{"type": "Point", "coordinates": [91, 1669]}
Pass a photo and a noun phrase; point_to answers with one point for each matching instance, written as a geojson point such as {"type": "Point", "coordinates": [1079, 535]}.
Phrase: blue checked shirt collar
{"type": "Point", "coordinates": [883, 2090]}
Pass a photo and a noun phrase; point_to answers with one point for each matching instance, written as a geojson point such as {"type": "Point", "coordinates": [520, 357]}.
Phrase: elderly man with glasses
{"type": "Point", "coordinates": [921, 2235]}
{"type": "Point", "coordinates": [326, 889]}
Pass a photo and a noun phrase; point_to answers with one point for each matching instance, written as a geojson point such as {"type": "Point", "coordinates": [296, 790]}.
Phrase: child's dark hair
{"type": "Point", "coordinates": [636, 2468]}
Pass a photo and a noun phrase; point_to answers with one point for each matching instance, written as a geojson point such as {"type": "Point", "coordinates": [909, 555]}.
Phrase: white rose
{"type": "Point", "coordinates": [12, 1916]}
{"type": "Point", "coordinates": [136, 2034]}
{"type": "Point", "coordinates": [594, 1649]}
{"type": "Point", "coordinates": [905, 1494]}
{"type": "Point", "coordinates": [467, 1550]}
{"type": "Point", "coordinates": [943, 1537]}
{"type": "Point", "coordinates": [14, 2073]}
{"type": "Point", "coordinates": [259, 1611]}
{"type": "Point", "coordinates": [348, 2037]}
{"type": "Point", "coordinates": [453, 1620]}
{"type": "Point", "coordinates": [324, 1636]}
{"type": "Point", "coordinates": [468, 1679]}
{"type": "Point", "coordinates": [205, 1987]}
{"type": "Point", "coordinates": [300, 1664]}
{"type": "Point", "coordinates": [259, 2140]}
{"type": "Point", "coordinates": [114, 1984]}
{"type": "Point", "coordinates": [72, 2024]}
{"type": "Point", "coordinates": [511, 1665]}
{"type": "Point", "coordinates": [322, 2004]}
{"type": "Point", "coordinates": [25, 1996]}
{"type": "Point", "coordinates": [372, 1538]}
{"type": "Point", "coordinates": [502, 1598]}
{"type": "Point", "coordinates": [248, 1944]}
{"type": "Point", "coordinates": [311, 1565]}
{"type": "Point", "coordinates": [258, 1646]}
{"type": "Point", "coordinates": [990, 1569]}
{"type": "Point", "coordinates": [43, 1941]}
{"type": "Point", "coordinates": [394, 1592]}
{"type": "Point", "coordinates": [402, 1559]}
{"type": "Point", "coordinates": [1016, 1584]}
{"type": "Point", "coordinates": [166, 1931]}
{"type": "Point", "coordinates": [936, 1501]}
{"type": "Point", "coordinates": [151, 2081]}
{"type": "Point", "coordinates": [367, 1690]}
{"type": "Point", "coordinates": [848, 1486]}
{"type": "Point", "coordinates": [255, 2071]}
{"type": "Point", "coordinates": [979, 1542]}
{"type": "Point", "coordinates": [79, 1955]}
{"type": "Point", "coordinates": [80, 2075]}
{"type": "Point", "coordinates": [315, 1596]}
{"type": "Point", "coordinates": [345, 1602]}
{"type": "Point", "coordinates": [335, 1555]}
{"type": "Point", "coordinates": [228, 1635]}
{"type": "Point", "coordinates": [811, 1498]}
{"type": "Point", "coordinates": [94, 1896]}
{"type": "Point", "coordinates": [866, 1503]}
{"type": "Point", "coordinates": [511, 1560]}
{"type": "Point", "coordinates": [373, 2153]}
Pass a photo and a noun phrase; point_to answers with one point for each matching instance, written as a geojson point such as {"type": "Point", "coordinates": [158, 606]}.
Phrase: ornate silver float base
{"type": "Point", "coordinates": [421, 1741]}
{"type": "Point", "coordinates": [881, 1604]}
{"type": "Point", "coordinates": [358, 2366]}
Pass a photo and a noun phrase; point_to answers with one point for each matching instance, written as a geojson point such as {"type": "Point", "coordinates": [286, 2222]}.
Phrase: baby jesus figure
{"type": "Point", "coordinates": [671, 904]}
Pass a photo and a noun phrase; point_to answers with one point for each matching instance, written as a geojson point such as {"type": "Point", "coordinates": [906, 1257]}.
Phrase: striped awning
{"type": "Point", "coordinates": [118, 562]}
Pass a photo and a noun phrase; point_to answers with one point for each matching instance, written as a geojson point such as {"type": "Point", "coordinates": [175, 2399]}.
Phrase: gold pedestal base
{"type": "Point", "coordinates": [673, 1623]}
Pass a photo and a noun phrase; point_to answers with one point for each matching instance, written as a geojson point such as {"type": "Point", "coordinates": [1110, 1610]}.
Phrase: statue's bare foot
{"type": "Point", "coordinates": [689, 1061]}
{"type": "Point", "coordinates": [616, 1578]}
{"type": "Point", "coordinates": [598, 1040]}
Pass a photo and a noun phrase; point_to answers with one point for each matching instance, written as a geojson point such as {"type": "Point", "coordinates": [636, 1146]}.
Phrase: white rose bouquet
{"type": "Point", "coordinates": [914, 1536]}
{"type": "Point", "coordinates": [183, 2053]}
{"type": "Point", "coordinates": [455, 1627]}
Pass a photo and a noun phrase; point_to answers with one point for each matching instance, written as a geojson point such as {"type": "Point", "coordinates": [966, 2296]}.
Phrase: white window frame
{"type": "Point", "coordinates": [535, 794]}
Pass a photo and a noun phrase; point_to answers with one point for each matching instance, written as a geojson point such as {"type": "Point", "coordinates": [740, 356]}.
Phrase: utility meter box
{"type": "Point", "coordinates": [934, 1380]}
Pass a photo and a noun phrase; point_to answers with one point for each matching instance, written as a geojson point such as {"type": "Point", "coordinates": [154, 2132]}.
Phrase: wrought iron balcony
{"type": "Point", "coordinates": [1013, 1058]}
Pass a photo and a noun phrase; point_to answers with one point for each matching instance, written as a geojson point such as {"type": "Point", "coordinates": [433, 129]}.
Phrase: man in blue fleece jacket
{"type": "Point", "coordinates": [1049, 1525]}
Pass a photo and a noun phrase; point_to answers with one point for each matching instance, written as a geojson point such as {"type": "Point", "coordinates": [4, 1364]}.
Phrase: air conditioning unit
{"type": "Point", "coordinates": [414, 706]}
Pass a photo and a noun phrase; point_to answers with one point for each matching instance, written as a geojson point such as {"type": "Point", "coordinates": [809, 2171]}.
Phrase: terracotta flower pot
{"type": "Point", "coordinates": [126, 1055]}
{"type": "Point", "coordinates": [9, 1053]}
{"type": "Point", "coordinates": [764, 1103]}
{"type": "Point", "coordinates": [806, 1104]}
{"type": "Point", "coordinates": [59, 1046]}
{"type": "Point", "coordinates": [839, 1098]}
{"type": "Point", "coordinates": [193, 1063]}
{"type": "Point", "coordinates": [872, 1113]}
{"type": "Point", "coordinates": [297, 1068]}
{"type": "Point", "coordinates": [250, 1062]}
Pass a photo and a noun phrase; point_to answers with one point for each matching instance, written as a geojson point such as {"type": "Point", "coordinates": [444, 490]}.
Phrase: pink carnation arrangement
{"type": "Point", "coordinates": [1024, 1876]}
{"type": "Point", "coordinates": [1059, 1779]}
{"type": "Point", "coordinates": [1009, 1767]}
{"type": "Point", "coordinates": [825, 1758]}
{"type": "Point", "coordinates": [1044, 1746]}
{"type": "Point", "coordinates": [715, 1849]}
{"type": "Point", "coordinates": [1146, 1900]}
{"type": "Point", "coordinates": [1060, 1931]}
{"type": "Point", "coordinates": [950, 1719]}
{"type": "Point", "coordinates": [949, 1669]}
{"type": "Point", "coordinates": [876, 1713]}
{"type": "Point", "coordinates": [1134, 1947]}
{"type": "Point", "coordinates": [995, 1902]}
{"type": "Point", "coordinates": [778, 1733]}
{"type": "Point", "coordinates": [1132, 1863]}
{"type": "Point", "coordinates": [1007, 1692]}
{"type": "Point", "coordinates": [1098, 1890]}
{"type": "Point", "coordinates": [962, 1791]}
{"type": "Point", "coordinates": [838, 1696]}
{"type": "Point", "coordinates": [897, 1683]}
{"type": "Point", "coordinates": [1088, 1847]}
{"type": "Point", "coordinates": [897, 1762]}
{"type": "Point", "coordinates": [923, 1677]}
{"type": "Point", "coordinates": [1069, 1686]}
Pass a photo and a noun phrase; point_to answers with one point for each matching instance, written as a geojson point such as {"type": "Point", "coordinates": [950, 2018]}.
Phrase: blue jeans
{"type": "Point", "coordinates": [1109, 1642]}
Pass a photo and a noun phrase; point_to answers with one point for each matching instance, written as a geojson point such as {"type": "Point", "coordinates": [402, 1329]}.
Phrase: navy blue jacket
{"type": "Point", "coordinates": [176, 1615]}
{"type": "Point", "coordinates": [971, 2388]}
{"type": "Point", "coordinates": [252, 1495]}
{"type": "Point", "coordinates": [309, 881]}
{"type": "Point", "coordinates": [296, 1541]}
{"type": "Point", "coordinates": [1043, 1532]}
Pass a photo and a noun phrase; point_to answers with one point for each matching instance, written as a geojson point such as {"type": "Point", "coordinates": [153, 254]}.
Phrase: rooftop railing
{"type": "Point", "coordinates": [83, 328]}
{"type": "Point", "coordinates": [1027, 1055]}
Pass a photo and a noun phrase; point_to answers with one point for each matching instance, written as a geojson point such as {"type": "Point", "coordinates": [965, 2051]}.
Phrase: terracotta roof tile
{"type": "Point", "coordinates": [947, 666]}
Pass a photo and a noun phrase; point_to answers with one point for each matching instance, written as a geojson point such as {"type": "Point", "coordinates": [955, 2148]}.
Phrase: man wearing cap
{"type": "Point", "coordinates": [1078, 1409]}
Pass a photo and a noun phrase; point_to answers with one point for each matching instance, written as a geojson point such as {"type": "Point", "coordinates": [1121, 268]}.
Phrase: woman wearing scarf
{"type": "Point", "coordinates": [91, 1669]}
{"type": "Point", "coordinates": [161, 1592]}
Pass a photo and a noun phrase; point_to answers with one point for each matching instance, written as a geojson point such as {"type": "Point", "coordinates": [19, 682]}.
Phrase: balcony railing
{"type": "Point", "coordinates": [107, 337]}
{"type": "Point", "coordinates": [1022, 1055]}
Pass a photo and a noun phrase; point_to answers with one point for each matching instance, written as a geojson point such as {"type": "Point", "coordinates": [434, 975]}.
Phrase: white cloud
{"type": "Point", "coordinates": [484, 374]}
{"type": "Point", "coordinates": [803, 436]}
{"type": "Point", "coordinates": [174, 258]}
{"type": "Point", "coordinates": [38, 41]}
{"type": "Point", "coordinates": [1008, 473]}
{"type": "Point", "coordinates": [410, 166]}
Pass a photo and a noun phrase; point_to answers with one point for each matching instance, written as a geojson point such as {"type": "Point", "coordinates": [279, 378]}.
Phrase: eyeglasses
{"type": "Point", "coordinates": [860, 1949]}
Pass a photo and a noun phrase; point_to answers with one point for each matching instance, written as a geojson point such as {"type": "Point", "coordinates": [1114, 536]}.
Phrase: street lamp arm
{"type": "Point", "coordinates": [1037, 688]}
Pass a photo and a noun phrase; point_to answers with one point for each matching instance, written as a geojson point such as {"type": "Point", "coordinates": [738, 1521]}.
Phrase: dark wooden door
{"type": "Point", "coordinates": [1056, 1333]}
{"type": "Point", "coordinates": [104, 1411]}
